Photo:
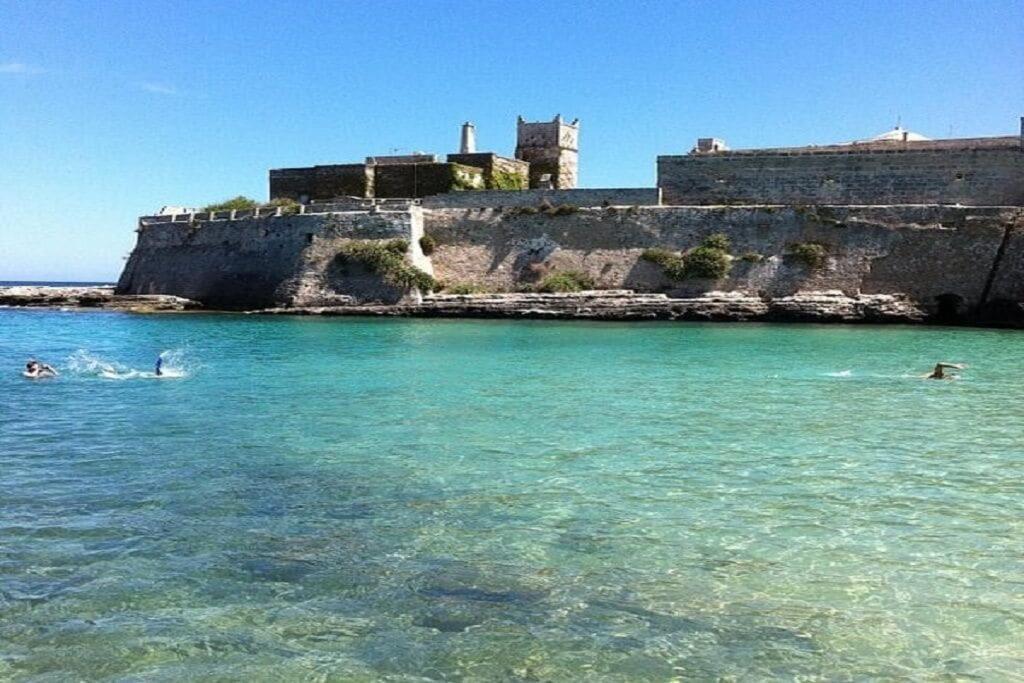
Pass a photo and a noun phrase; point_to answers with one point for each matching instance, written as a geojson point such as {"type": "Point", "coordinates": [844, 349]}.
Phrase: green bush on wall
{"type": "Point", "coordinates": [503, 180]}
{"type": "Point", "coordinates": [387, 259]}
{"type": "Point", "coordinates": [427, 245]}
{"type": "Point", "coordinates": [286, 204]}
{"type": "Point", "coordinates": [710, 260]}
{"type": "Point", "coordinates": [566, 281]}
{"type": "Point", "coordinates": [717, 241]}
{"type": "Point", "coordinates": [811, 254]}
{"type": "Point", "coordinates": [466, 288]}
{"type": "Point", "coordinates": [706, 262]}
{"type": "Point", "coordinates": [239, 203]}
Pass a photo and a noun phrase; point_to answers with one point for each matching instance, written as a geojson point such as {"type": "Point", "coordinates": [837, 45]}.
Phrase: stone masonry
{"type": "Point", "coordinates": [552, 148]}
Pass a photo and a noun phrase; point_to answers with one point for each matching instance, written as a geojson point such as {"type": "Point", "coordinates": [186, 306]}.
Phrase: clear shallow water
{"type": "Point", "coordinates": [411, 500]}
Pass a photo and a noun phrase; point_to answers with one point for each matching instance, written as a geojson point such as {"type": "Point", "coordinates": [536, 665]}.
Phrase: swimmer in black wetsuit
{"type": "Point", "coordinates": [159, 366]}
{"type": "Point", "coordinates": [938, 372]}
{"type": "Point", "coordinates": [34, 370]}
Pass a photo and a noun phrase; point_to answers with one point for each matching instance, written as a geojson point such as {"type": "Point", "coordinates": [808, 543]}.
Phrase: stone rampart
{"type": "Point", "coordinates": [259, 262]}
{"type": "Point", "coordinates": [638, 196]}
{"type": "Point", "coordinates": [989, 173]}
{"type": "Point", "coordinates": [939, 256]}
{"type": "Point", "coordinates": [962, 263]}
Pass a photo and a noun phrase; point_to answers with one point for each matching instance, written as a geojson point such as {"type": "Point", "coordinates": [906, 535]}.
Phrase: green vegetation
{"type": "Point", "coordinates": [671, 263]}
{"type": "Point", "coordinates": [524, 211]}
{"type": "Point", "coordinates": [752, 257]}
{"type": "Point", "coordinates": [717, 241]}
{"type": "Point", "coordinates": [811, 254]}
{"type": "Point", "coordinates": [567, 281]}
{"type": "Point", "coordinates": [427, 245]}
{"type": "Point", "coordinates": [387, 259]}
{"type": "Point", "coordinates": [287, 205]}
{"type": "Point", "coordinates": [706, 262]}
{"type": "Point", "coordinates": [465, 288]}
{"type": "Point", "coordinates": [238, 203]}
{"type": "Point", "coordinates": [710, 260]}
{"type": "Point", "coordinates": [503, 180]}
{"type": "Point", "coordinates": [465, 179]}
{"type": "Point", "coordinates": [562, 210]}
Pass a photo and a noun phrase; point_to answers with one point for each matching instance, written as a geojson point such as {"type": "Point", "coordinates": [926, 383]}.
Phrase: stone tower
{"type": "Point", "coordinates": [552, 148]}
{"type": "Point", "coordinates": [467, 144]}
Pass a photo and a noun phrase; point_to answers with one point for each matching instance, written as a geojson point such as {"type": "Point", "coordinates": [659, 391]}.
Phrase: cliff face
{"type": "Point", "coordinates": [965, 262]}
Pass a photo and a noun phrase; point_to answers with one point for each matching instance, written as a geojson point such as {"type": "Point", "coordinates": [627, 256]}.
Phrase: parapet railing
{"type": "Point", "coordinates": [279, 211]}
{"type": "Point", "coordinates": [1006, 142]}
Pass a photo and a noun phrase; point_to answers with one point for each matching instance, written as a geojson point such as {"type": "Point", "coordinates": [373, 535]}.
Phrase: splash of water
{"type": "Point", "coordinates": [175, 366]}
{"type": "Point", "coordinates": [841, 373]}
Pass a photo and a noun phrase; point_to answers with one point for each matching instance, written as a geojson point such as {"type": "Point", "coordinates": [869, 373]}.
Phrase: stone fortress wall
{"type": "Point", "coordinates": [938, 222]}
{"type": "Point", "coordinates": [248, 262]}
{"type": "Point", "coordinates": [978, 172]}
{"type": "Point", "coordinates": [970, 258]}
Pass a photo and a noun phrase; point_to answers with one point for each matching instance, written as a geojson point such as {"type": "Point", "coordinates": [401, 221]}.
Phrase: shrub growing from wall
{"type": "Point", "coordinates": [811, 254]}
{"type": "Point", "coordinates": [567, 281]}
{"type": "Point", "coordinates": [239, 203]}
{"type": "Point", "coordinates": [387, 259]}
{"type": "Point", "coordinates": [710, 260]}
{"type": "Point", "coordinates": [503, 180]}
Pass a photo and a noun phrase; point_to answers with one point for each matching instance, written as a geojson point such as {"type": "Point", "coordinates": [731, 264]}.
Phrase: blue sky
{"type": "Point", "coordinates": [109, 110]}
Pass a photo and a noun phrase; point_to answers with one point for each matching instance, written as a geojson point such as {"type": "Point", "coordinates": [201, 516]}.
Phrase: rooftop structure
{"type": "Point", "coordinates": [552, 149]}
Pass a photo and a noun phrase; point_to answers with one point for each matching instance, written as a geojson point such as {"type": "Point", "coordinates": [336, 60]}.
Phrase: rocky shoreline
{"type": "Point", "coordinates": [32, 296]}
{"type": "Point", "coordinates": [827, 306]}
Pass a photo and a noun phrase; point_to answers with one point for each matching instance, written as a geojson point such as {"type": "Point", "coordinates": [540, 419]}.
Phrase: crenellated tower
{"type": "Point", "coordinates": [552, 148]}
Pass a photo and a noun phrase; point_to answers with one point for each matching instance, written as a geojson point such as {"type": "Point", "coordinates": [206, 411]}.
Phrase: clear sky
{"type": "Point", "coordinates": [109, 110]}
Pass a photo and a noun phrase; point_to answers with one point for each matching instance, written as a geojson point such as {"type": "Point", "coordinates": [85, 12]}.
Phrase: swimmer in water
{"type": "Point", "coordinates": [159, 366]}
{"type": "Point", "coordinates": [34, 370]}
{"type": "Point", "coordinates": [939, 371]}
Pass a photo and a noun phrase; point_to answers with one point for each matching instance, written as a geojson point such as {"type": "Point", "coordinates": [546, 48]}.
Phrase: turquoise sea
{"type": "Point", "coordinates": [412, 500]}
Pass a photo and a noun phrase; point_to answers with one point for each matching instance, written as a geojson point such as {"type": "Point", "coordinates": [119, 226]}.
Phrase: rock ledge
{"type": "Point", "coordinates": [620, 304]}
{"type": "Point", "coordinates": [91, 297]}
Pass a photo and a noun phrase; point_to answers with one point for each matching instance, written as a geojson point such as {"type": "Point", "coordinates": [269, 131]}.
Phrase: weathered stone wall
{"type": "Point", "coordinates": [924, 252]}
{"type": "Point", "coordinates": [423, 180]}
{"type": "Point", "coordinates": [631, 196]}
{"type": "Point", "coordinates": [990, 174]}
{"type": "Point", "coordinates": [551, 147]}
{"type": "Point", "coordinates": [500, 173]}
{"type": "Point", "coordinates": [256, 263]}
{"type": "Point", "coordinates": [317, 183]}
{"type": "Point", "coordinates": [966, 263]}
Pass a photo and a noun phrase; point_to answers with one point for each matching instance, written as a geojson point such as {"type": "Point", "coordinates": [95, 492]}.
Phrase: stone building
{"type": "Point", "coordinates": [896, 167]}
{"type": "Point", "coordinates": [405, 176]}
{"type": "Point", "coordinates": [552, 149]}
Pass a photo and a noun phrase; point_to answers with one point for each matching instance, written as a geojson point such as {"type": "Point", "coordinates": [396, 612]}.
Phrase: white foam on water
{"type": "Point", "coordinates": [841, 373]}
{"type": "Point", "coordinates": [83, 363]}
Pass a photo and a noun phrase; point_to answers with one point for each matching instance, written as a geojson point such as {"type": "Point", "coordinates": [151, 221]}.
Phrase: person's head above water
{"type": "Point", "coordinates": [32, 363]}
